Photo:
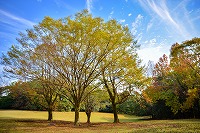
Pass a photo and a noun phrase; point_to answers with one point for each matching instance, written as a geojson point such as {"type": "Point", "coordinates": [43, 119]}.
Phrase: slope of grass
{"type": "Point", "coordinates": [35, 121]}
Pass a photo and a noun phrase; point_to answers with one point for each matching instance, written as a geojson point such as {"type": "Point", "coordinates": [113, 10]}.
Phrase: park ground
{"type": "Point", "coordinates": [15, 121]}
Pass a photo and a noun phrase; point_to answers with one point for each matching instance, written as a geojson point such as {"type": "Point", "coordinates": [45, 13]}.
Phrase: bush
{"type": "Point", "coordinates": [135, 105]}
{"type": "Point", "coordinates": [6, 102]}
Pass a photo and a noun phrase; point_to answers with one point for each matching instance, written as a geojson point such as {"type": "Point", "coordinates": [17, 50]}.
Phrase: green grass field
{"type": "Point", "coordinates": [35, 121]}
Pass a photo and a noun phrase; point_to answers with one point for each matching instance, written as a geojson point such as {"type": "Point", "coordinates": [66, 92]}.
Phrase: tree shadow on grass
{"type": "Point", "coordinates": [129, 118]}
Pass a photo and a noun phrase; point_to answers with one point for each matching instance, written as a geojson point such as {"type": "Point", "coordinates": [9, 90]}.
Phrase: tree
{"type": "Point", "coordinates": [90, 42]}
{"type": "Point", "coordinates": [17, 96]}
{"type": "Point", "coordinates": [6, 99]}
{"type": "Point", "coordinates": [123, 76]}
{"type": "Point", "coordinates": [25, 62]}
{"type": "Point", "coordinates": [177, 83]}
{"type": "Point", "coordinates": [46, 95]}
{"type": "Point", "coordinates": [70, 52]}
{"type": "Point", "coordinates": [93, 101]}
{"type": "Point", "coordinates": [135, 105]}
{"type": "Point", "coordinates": [161, 89]}
{"type": "Point", "coordinates": [185, 60]}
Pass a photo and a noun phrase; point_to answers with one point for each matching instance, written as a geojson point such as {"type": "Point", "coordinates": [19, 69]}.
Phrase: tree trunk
{"type": "Point", "coordinates": [116, 119]}
{"type": "Point", "coordinates": [50, 115]}
{"type": "Point", "coordinates": [88, 113]}
{"type": "Point", "coordinates": [76, 120]}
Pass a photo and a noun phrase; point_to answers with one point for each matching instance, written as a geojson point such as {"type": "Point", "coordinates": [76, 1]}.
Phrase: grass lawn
{"type": "Point", "coordinates": [35, 121]}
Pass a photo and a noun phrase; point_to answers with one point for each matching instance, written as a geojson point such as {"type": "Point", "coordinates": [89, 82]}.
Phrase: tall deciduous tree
{"type": "Point", "coordinates": [177, 83]}
{"type": "Point", "coordinates": [70, 51]}
{"type": "Point", "coordinates": [185, 60]}
{"type": "Point", "coordinates": [123, 76]}
{"type": "Point", "coordinates": [26, 62]}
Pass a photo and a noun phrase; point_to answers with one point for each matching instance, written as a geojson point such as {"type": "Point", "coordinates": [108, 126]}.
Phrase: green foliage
{"type": "Point", "coordinates": [135, 105]}
{"type": "Point", "coordinates": [6, 102]}
{"type": "Point", "coordinates": [161, 111]}
{"type": "Point", "coordinates": [63, 105]}
{"type": "Point", "coordinates": [178, 83]}
{"type": "Point", "coordinates": [65, 57]}
{"type": "Point", "coordinates": [17, 97]}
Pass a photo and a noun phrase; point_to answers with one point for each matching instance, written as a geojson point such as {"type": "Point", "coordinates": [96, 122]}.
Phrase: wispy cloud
{"type": "Point", "coordinates": [196, 18]}
{"type": "Point", "coordinates": [8, 35]}
{"type": "Point", "coordinates": [149, 25]}
{"type": "Point", "coordinates": [12, 25]}
{"type": "Point", "coordinates": [136, 24]}
{"type": "Point", "coordinates": [176, 18]}
{"type": "Point", "coordinates": [163, 12]}
{"type": "Point", "coordinates": [129, 14]}
{"type": "Point", "coordinates": [122, 20]}
{"type": "Point", "coordinates": [111, 13]}
{"type": "Point", "coordinates": [173, 23]}
{"type": "Point", "coordinates": [89, 5]}
{"type": "Point", "coordinates": [64, 4]}
{"type": "Point", "coordinates": [10, 19]}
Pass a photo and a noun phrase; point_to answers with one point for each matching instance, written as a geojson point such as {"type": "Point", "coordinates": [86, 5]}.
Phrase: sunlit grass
{"type": "Point", "coordinates": [65, 116]}
{"type": "Point", "coordinates": [15, 121]}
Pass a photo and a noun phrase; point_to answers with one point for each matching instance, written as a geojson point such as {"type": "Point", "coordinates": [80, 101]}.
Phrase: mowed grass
{"type": "Point", "coordinates": [35, 121]}
{"type": "Point", "coordinates": [65, 116]}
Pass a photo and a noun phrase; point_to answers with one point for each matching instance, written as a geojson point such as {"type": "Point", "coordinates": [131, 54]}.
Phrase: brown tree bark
{"type": "Point", "coordinates": [77, 110]}
{"type": "Point", "coordinates": [116, 119]}
{"type": "Point", "coordinates": [88, 113]}
{"type": "Point", "coordinates": [50, 114]}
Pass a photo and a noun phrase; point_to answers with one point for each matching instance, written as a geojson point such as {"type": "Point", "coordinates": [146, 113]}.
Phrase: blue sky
{"type": "Point", "coordinates": [156, 24]}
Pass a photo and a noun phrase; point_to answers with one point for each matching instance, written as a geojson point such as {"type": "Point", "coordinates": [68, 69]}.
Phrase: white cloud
{"type": "Point", "coordinates": [152, 50]}
{"type": "Point", "coordinates": [173, 23]}
{"type": "Point", "coordinates": [122, 20]}
{"type": "Point", "coordinates": [152, 42]}
{"type": "Point", "coordinates": [139, 37]}
{"type": "Point", "coordinates": [11, 19]}
{"type": "Point", "coordinates": [147, 54]}
{"type": "Point", "coordinates": [129, 14]}
{"type": "Point", "coordinates": [136, 24]}
{"type": "Point", "coordinates": [13, 25]}
{"type": "Point", "coordinates": [162, 11]}
{"type": "Point", "coordinates": [177, 18]}
{"type": "Point", "coordinates": [111, 13]}
{"type": "Point", "coordinates": [149, 25]}
{"type": "Point", "coordinates": [89, 5]}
